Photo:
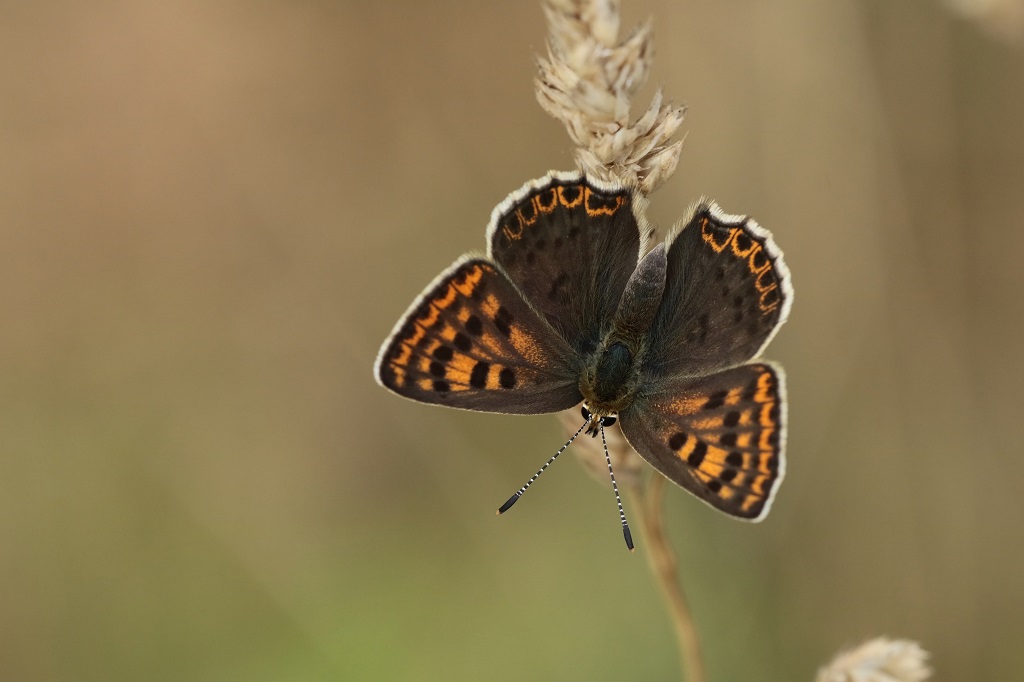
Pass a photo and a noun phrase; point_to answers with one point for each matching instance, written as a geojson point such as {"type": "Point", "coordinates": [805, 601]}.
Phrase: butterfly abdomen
{"type": "Point", "coordinates": [642, 296]}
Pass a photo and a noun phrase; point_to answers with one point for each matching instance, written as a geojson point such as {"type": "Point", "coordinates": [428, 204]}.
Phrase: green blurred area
{"type": "Point", "coordinates": [211, 214]}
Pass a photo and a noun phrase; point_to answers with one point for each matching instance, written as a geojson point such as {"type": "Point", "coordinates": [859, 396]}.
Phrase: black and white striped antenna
{"type": "Point", "coordinates": [519, 493]}
{"type": "Point", "coordinates": [618, 500]}
{"type": "Point", "coordinates": [601, 422]}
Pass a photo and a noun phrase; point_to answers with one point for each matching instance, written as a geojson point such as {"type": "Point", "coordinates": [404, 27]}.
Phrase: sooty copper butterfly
{"type": "Point", "coordinates": [568, 307]}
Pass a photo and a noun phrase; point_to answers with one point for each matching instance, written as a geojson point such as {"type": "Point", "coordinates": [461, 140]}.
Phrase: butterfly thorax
{"type": "Point", "coordinates": [610, 380]}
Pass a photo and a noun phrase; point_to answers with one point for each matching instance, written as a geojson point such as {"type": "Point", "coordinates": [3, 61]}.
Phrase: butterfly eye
{"type": "Point", "coordinates": [585, 412]}
{"type": "Point", "coordinates": [607, 421]}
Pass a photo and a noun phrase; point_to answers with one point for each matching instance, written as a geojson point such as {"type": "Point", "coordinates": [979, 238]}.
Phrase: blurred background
{"type": "Point", "coordinates": [211, 215]}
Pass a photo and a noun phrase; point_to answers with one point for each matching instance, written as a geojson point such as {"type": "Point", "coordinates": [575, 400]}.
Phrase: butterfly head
{"type": "Point", "coordinates": [595, 422]}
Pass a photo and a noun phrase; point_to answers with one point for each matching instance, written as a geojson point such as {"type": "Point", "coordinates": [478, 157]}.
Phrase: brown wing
{"type": "Point", "coordinates": [727, 291]}
{"type": "Point", "coordinates": [720, 436]}
{"type": "Point", "coordinates": [471, 341]}
{"type": "Point", "coordinates": [570, 246]}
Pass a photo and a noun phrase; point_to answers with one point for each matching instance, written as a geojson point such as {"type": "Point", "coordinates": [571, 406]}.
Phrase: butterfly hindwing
{"type": "Point", "coordinates": [471, 341]}
{"type": "Point", "coordinates": [719, 436]}
{"type": "Point", "coordinates": [727, 291]}
{"type": "Point", "coordinates": [569, 246]}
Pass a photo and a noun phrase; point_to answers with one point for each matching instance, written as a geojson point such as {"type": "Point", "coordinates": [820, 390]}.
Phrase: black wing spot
{"type": "Point", "coordinates": [507, 377]}
{"type": "Point", "coordinates": [474, 326]}
{"type": "Point", "coordinates": [728, 439]}
{"type": "Point", "coordinates": [462, 342]}
{"type": "Point", "coordinates": [437, 369]}
{"type": "Point", "coordinates": [734, 459]}
{"type": "Point", "coordinates": [714, 485]}
{"type": "Point", "coordinates": [444, 353]}
{"type": "Point", "coordinates": [758, 260]}
{"type": "Point", "coordinates": [503, 321]}
{"type": "Point", "coordinates": [441, 386]}
{"type": "Point", "coordinates": [715, 400]}
{"type": "Point", "coordinates": [478, 377]}
{"type": "Point", "coordinates": [478, 291]}
{"type": "Point", "coordinates": [601, 201]}
{"type": "Point", "coordinates": [697, 456]}
{"type": "Point", "coordinates": [728, 474]}
{"type": "Point", "coordinates": [677, 441]}
{"type": "Point", "coordinates": [751, 391]}
{"type": "Point", "coordinates": [570, 193]}
{"type": "Point", "coordinates": [408, 330]}
{"type": "Point", "coordinates": [732, 419]}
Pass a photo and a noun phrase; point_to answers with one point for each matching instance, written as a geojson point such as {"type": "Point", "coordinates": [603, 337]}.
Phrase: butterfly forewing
{"type": "Point", "coordinates": [719, 436]}
{"type": "Point", "coordinates": [471, 341]}
{"type": "Point", "coordinates": [570, 247]}
{"type": "Point", "coordinates": [727, 291]}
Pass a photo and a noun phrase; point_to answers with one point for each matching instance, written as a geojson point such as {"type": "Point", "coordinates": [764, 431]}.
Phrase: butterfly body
{"type": "Point", "coordinates": [569, 307]}
{"type": "Point", "coordinates": [613, 375]}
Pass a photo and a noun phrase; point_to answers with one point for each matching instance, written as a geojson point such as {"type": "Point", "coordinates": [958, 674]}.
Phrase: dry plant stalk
{"type": "Point", "coordinates": [646, 494]}
{"type": "Point", "coordinates": [662, 562]}
{"type": "Point", "coordinates": [587, 81]}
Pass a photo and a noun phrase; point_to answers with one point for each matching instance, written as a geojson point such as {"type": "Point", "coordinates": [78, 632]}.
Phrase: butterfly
{"type": "Point", "coordinates": [569, 307]}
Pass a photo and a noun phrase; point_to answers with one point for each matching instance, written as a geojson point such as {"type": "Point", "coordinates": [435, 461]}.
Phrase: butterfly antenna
{"type": "Point", "coordinates": [618, 500]}
{"type": "Point", "coordinates": [519, 493]}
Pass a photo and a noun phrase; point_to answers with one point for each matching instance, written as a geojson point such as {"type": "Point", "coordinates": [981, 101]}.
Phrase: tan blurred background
{"type": "Point", "coordinates": [211, 214]}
